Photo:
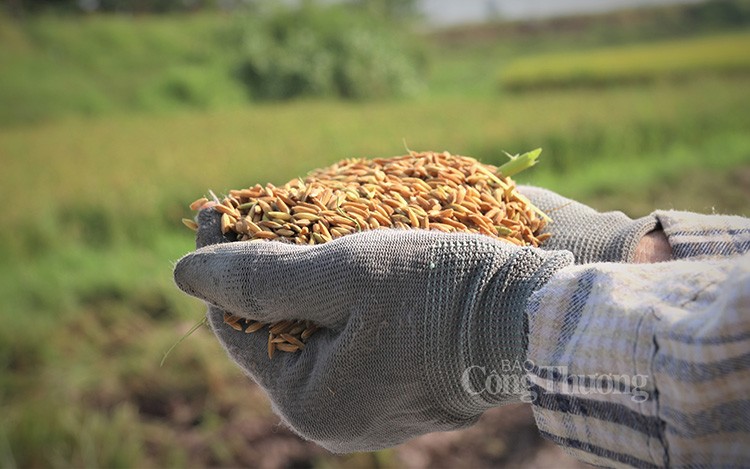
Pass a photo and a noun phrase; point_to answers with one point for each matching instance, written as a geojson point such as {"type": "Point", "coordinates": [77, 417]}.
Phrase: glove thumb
{"type": "Point", "coordinates": [266, 281]}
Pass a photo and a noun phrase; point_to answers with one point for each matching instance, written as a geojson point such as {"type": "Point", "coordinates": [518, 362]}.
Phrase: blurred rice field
{"type": "Point", "coordinates": [91, 227]}
{"type": "Point", "coordinates": [665, 60]}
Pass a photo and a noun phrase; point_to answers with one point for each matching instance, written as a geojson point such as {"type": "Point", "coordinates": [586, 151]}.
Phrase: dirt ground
{"type": "Point", "coordinates": [503, 437]}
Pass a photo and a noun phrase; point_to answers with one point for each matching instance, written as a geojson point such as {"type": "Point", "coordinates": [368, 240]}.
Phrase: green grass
{"type": "Point", "coordinates": [676, 59]}
{"type": "Point", "coordinates": [92, 66]}
{"type": "Point", "coordinates": [97, 65]}
{"type": "Point", "coordinates": [92, 207]}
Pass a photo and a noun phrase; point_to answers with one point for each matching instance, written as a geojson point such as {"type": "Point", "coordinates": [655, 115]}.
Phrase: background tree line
{"type": "Point", "coordinates": [389, 8]}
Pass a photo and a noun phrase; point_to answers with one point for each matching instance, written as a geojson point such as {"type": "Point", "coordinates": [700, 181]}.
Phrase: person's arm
{"type": "Point", "coordinates": [648, 365]}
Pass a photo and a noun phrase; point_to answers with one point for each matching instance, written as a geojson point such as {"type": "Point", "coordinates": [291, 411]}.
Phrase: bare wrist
{"type": "Point", "coordinates": [653, 247]}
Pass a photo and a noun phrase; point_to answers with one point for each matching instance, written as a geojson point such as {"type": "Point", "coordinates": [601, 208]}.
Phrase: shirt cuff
{"type": "Point", "coordinates": [696, 236]}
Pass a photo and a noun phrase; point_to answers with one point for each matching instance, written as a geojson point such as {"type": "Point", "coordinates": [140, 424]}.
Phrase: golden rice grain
{"type": "Point", "coordinates": [287, 347]}
{"type": "Point", "coordinates": [265, 235]}
{"type": "Point", "coordinates": [227, 222]}
{"type": "Point", "coordinates": [198, 203]}
{"type": "Point", "coordinates": [254, 326]}
{"type": "Point", "coordinates": [279, 327]}
{"type": "Point", "coordinates": [190, 224]}
{"type": "Point", "coordinates": [297, 329]}
{"type": "Point", "coordinates": [293, 340]}
{"type": "Point", "coordinates": [310, 330]}
{"type": "Point", "coordinates": [271, 346]}
{"type": "Point", "coordinates": [233, 321]}
{"type": "Point", "coordinates": [221, 208]}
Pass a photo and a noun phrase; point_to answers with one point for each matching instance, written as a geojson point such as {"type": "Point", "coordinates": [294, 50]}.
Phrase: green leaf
{"type": "Point", "coordinates": [519, 163]}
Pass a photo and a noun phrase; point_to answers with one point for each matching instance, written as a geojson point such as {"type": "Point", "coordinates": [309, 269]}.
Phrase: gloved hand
{"type": "Point", "coordinates": [591, 236]}
{"type": "Point", "coordinates": [414, 325]}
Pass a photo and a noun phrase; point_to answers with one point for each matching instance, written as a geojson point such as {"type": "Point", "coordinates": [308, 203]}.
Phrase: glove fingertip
{"type": "Point", "coordinates": [185, 275]}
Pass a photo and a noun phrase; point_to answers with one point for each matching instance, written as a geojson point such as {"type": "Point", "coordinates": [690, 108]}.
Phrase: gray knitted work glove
{"type": "Point", "coordinates": [591, 236]}
{"type": "Point", "coordinates": [420, 328]}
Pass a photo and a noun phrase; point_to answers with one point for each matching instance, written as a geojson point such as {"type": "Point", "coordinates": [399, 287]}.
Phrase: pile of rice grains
{"type": "Point", "coordinates": [429, 191]}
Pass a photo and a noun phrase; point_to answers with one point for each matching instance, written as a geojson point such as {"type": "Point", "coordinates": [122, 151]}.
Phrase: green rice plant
{"type": "Point", "coordinates": [665, 60]}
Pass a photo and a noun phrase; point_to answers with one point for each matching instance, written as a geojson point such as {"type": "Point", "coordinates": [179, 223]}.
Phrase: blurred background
{"type": "Point", "coordinates": [115, 115]}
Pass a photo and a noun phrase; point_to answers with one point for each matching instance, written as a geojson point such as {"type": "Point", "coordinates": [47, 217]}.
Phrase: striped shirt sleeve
{"type": "Point", "coordinates": [648, 365]}
{"type": "Point", "coordinates": [694, 236]}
